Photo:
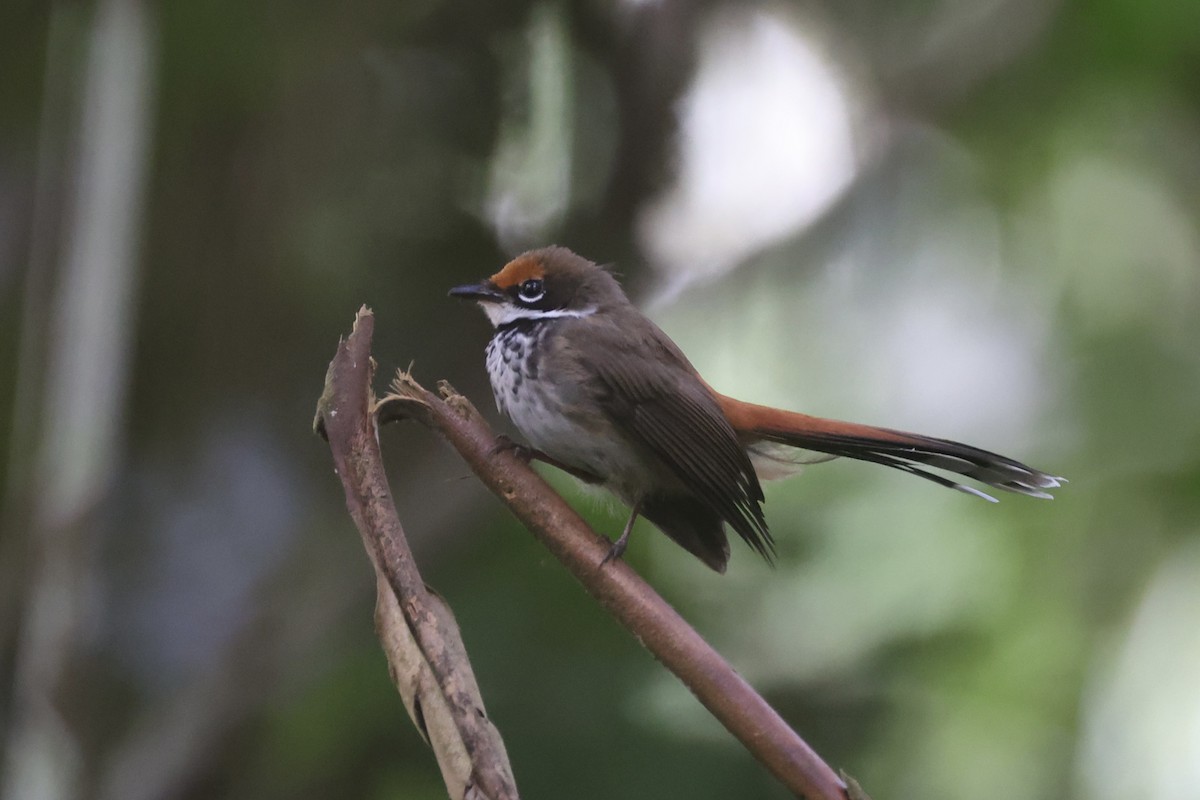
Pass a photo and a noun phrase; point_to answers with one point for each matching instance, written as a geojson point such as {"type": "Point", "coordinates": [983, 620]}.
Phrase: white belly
{"type": "Point", "coordinates": [558, 428]}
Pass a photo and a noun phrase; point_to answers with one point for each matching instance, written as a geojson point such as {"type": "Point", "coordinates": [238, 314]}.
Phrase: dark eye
{"type": "Point", "coordinates": [532, 290]}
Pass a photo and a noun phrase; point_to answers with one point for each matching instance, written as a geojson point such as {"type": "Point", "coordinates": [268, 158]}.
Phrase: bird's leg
{"type": "Point", "coordinates": [527, 454]}
{"type": "Point", "coordinates": [618, 548]}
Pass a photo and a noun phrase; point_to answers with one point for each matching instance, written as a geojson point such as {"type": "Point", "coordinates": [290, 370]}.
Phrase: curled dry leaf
{"type": "Point", "coordinates": [427, 704]}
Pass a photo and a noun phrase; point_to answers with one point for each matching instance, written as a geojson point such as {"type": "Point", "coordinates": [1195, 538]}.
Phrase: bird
{"type": "Point", "coordinates": [598, 389]}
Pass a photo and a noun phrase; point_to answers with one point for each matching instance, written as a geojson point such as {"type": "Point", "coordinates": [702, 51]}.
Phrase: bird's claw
{"type": "Point", "coordinates": [615, 552]}
{"type": "Point", "coordinates": [618, 548]}
{"type": "Point", "coordinates": [505, 444]}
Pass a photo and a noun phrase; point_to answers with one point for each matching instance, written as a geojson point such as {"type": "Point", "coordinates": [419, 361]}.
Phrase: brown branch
{"type": "Point", "coordinates": [426, 657]}
{"type": "Point", "coordinates": [620, 590]}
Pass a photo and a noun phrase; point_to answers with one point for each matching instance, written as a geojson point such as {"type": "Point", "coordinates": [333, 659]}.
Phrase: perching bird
{"type": "Point", "coordinates": [599, 389]}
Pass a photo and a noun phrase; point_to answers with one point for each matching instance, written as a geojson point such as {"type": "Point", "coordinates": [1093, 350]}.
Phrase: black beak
{"type": "Point", "coordinates": [485, 292]}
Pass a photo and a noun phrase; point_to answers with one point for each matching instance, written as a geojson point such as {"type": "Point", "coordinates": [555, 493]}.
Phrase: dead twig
{"type": "Point", "coordinates": [426, 657]}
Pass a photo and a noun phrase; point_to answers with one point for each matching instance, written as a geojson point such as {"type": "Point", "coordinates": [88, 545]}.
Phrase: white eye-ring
{"type": "Point", "coordinates": [532, 290]}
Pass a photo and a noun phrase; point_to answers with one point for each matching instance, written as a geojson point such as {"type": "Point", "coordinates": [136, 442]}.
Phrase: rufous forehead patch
{"type": "Point", "coordinates": [519, 270]}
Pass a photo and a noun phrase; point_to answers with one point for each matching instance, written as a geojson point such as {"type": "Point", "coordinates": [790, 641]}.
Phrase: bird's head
{"type": "Point", "coordinates": [544, 284]}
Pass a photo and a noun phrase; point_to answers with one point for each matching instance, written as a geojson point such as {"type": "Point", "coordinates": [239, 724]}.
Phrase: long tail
{"type": "Point", "coordinates": [897, 449]}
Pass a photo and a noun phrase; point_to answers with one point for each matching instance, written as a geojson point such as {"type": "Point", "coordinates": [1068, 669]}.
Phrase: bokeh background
{"type": "Point", "coordinates": [974, 219]}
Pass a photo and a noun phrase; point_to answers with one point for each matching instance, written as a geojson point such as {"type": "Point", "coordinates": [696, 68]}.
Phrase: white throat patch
{"type": "Point", "coordinates": [504, 313]}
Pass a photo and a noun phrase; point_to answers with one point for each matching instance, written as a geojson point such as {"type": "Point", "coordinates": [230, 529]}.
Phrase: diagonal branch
{"type": "Point", "coordinates": [620, 590]}
{"type": "Point", "coordinates": [426, 656]}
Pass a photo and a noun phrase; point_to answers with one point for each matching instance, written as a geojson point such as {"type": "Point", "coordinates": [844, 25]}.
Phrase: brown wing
{"type": "Point", "coordinates": [653, 394]}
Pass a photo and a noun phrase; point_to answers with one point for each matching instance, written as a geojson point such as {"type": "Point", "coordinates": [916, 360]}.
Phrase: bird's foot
{"type": "Point", "coordinates": [618, 548]}
{"type": "Point", "coordinates": [505, 444]}
{"type": "Point", "coordinates": [527, 454]}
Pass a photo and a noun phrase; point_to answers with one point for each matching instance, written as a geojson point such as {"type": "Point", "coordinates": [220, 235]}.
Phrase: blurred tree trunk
{"type": "Point", "coordinates": [84, 363]}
